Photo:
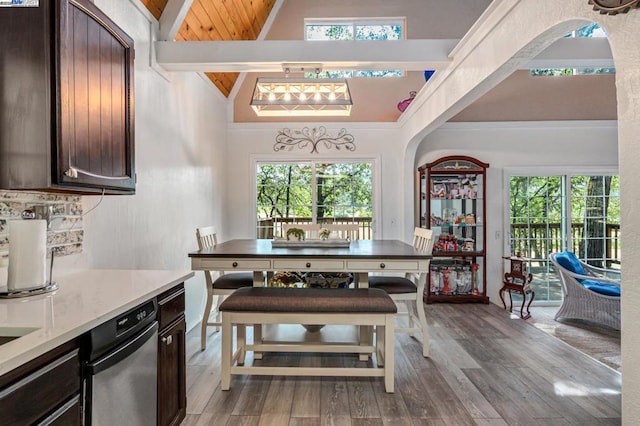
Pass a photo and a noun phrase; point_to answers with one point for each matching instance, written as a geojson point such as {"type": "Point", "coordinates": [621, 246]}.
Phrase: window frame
{"type": "Point", "coordinates": [375, 162]}
{"type": "Point", "coordinates": [567, 173]}
{"type": "Point", "coordinates": [355, 22]}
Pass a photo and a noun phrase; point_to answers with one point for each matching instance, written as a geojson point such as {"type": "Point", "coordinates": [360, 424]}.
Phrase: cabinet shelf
{"type": "Point", "coordinates": [457, 298]}
{"type": "Point", "coordinates": [451, 201]}
{"type": "Point", "coordinates": [457, 253]}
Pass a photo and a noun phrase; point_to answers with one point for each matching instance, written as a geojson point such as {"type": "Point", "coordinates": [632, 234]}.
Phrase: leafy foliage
{"type": "Point", "coordinates": [354, 31]}
{"type": "Point", "coordinates": [341, 190]}
{"type": "Point", "coordinates": [590, 30]}
{"type": "Point", "coordinates": [540, 201]}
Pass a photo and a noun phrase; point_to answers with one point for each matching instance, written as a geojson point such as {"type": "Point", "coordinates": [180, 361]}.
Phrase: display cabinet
{"type": "Point", "coordinates": [451, 202]}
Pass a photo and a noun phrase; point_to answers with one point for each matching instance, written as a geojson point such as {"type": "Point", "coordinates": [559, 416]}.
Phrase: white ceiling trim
{"type": "Point", "coordinates": [406, 55]}
{"type": "Point", "coordinates": [575, 53]}
{"type": "Point", "coordinates": [269, 55]}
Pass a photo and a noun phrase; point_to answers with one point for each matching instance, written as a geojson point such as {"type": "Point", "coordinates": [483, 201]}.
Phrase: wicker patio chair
{"type": "Point", "coordinates": [589, 293]}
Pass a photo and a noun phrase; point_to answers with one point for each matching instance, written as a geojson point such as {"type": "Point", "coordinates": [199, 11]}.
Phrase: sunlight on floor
{"type": "Point", "coordinates": [574, 389]}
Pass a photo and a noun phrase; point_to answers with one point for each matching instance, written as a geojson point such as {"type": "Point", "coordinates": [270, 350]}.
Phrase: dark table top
{"type": "Point", "coordinates": [359, 249]}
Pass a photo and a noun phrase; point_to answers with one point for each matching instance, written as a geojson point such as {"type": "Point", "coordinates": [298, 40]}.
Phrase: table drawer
{"type": "Point", "coordinates": [239, 264]}
{"type": "Point", "coordinates": [308, 265]}
{"type": "Point", "coordinates": [393, 265]}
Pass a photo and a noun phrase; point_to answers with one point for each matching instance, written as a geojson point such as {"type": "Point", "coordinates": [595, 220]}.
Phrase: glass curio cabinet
{"type": "Point", "coordinates": [451, 202]}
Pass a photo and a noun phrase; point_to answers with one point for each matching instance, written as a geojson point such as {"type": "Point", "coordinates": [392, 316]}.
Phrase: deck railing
{"type": "Point", "coordinates": [267, 228]}
{"type": "Point", "coordinates": [536, 241]}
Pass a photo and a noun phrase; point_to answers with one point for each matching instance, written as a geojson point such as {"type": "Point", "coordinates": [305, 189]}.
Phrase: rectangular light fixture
{"type": "Point", "coordinates": [301, 97]}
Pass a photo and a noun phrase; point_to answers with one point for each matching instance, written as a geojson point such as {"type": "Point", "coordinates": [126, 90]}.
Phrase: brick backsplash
{"type": "Point", "coordinates": [66, 233]}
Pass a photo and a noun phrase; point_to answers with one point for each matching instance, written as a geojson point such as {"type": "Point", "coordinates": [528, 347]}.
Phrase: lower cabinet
{"type": "Point", "coordinates": [43, 391]}
{"type": "Point", "coordinates": [172, 389]}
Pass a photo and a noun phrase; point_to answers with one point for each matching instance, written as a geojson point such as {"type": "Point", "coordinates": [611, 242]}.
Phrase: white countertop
{"type": "Point", "coordinates": [83, 300]}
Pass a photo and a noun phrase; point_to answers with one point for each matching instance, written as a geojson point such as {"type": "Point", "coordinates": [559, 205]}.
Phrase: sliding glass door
{"type": "Point", "coordinates": [548, 214]}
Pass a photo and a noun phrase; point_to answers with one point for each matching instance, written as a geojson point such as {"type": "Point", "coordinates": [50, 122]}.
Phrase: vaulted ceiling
{"type": "Point", "coordinates": [219, 20]}
{"type": "Point", "coordinates": [431, 35]}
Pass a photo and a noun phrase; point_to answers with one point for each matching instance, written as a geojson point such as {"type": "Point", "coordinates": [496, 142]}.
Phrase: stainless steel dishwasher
{"type": "Point", "coordinates": [121, 370]}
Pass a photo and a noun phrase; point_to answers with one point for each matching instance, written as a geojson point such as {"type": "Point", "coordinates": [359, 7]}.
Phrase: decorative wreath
{"type": "Point", "coordinates": [613, 7]}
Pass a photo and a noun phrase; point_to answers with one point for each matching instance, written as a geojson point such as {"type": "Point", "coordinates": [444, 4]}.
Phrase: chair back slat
{"type": "Point", "coordinates": [349, 231]}
{"type": "Point", "coordinates": [206, 237]}
{"type": "Point", "coordinates": [423, 240]}
{"type": "Point", "coordinates": [310, 229]}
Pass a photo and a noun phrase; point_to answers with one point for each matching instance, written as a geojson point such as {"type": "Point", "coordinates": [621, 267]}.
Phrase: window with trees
{"type": "Point", "coordinates": [590, 31]}
{"type": "Point", "coordinates": [358, 29]}
{"type": "Point", "coordinates": [313, 192]}
{"type": "Point", "coordinates": [548, 214]}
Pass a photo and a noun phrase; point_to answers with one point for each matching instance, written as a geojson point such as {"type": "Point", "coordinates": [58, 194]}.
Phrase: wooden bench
{"type": "Point", "coordinates": [267, 305]}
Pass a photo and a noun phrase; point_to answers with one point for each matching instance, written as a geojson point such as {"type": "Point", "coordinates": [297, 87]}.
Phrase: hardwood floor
{"type": "Point", "coordinates": [485, 369]}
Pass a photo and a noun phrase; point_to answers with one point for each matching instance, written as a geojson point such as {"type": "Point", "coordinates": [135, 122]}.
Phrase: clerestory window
{"type": "Point", "coordinates": [592, 30]}
{"type": "Point", "coordinates": [355, 29]}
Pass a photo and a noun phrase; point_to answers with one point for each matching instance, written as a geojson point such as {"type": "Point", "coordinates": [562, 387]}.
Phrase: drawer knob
{"type": "Point", "coordinates": [234, 264]}
{"type": "Point", "coordinates": [308, 264]}
{"type": "Point", "coordinates": [168, 340]}
{"type": "Point", "coordinates": [382, 266]}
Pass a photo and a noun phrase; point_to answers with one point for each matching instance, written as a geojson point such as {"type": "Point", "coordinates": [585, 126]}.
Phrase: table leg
{"type": "Point", "coordinates": [362, 279]}
{"type": "Point", "coordinates": [258, 281]}
{"type": "Point", "coordinates": [524, 299]}
{"type": "Point", "coordinates": [366, 332]}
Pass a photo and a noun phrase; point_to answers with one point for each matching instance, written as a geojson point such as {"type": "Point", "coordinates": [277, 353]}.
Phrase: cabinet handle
{"type": "Point", "coordinates": [168, 340]}
{"type": "Point", "coordinates": [308, 264]}
{"type": "Point", "coordinates": [73, 172]}
{"type": "Point", "coordinates": [382, 266]}
{"type": "Point", "coordinates": [234, 264]}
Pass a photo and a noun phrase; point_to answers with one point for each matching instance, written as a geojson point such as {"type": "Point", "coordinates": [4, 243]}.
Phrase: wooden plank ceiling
{"type": "Point", "coordinates": [219, 20]}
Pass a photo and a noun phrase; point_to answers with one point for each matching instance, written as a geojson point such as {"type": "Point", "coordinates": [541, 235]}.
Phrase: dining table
{"type": "Point", "coordinates": [359, 257]}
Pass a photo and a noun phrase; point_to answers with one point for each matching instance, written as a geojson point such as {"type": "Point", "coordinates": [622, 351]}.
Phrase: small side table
{"type": "Point", "coordinates": [518, 281]}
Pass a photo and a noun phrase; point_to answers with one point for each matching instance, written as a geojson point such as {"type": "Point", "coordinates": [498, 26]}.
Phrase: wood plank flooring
{"type": "Point", "coordinates": [485, 368]}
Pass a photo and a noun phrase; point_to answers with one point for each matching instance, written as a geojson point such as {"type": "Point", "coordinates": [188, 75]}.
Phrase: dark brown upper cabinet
{"type": "Point", "coordinates": [66, 100]}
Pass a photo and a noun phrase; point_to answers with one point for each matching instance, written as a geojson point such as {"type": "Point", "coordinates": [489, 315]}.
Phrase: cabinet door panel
{"type": "Point", "coordinates": [451, 202]}
{"type": "Point", "coordinates": [42, 390]}
{"type": "Point", "coordinates": [172, 394]}
{"type": "Point", "coordinates": [96, 111]}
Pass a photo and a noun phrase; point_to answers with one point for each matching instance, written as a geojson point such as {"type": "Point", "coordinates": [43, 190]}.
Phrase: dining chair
{"type": "Point", "coordinates": [349, 231]}
{"type": "Point", "coordinates": [224, 285]}
{"type": "Point", "coordinates": [310, 229]}
{"type": "Point", "coordinates": [409, 290]}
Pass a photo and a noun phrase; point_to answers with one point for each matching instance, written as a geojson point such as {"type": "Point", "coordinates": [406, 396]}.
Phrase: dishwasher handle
{"type": "Point", "coordinates": [112, 358]}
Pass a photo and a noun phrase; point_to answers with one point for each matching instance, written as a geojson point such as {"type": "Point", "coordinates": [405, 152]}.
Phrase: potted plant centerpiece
{"type": "Point", "coordinates": [296, 233]}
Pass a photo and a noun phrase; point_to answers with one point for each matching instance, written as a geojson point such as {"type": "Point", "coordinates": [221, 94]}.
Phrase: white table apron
{"type": "Point", "coordinates": [361, 258]}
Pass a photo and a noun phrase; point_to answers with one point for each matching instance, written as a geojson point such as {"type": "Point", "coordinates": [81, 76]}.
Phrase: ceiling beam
{"type": "Point", "coordinates": [269, 55]}
{"type": "Point", "coordinates": [406, 55]}
{"type": "Point", "coordinates": [172, 18]}
{"type": "Point", "coordinates": [575, 52]}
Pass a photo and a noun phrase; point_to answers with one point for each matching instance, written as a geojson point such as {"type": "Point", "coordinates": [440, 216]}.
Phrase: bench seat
{"type": "Point", "coordinates": [265, 305]}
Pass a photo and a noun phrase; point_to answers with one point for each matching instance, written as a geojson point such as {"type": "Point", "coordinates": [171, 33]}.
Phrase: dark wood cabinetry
{"type": "Point", "coordinates": [66, 99]}
{"type": "Point", "coordinates": [45, 390]}
{"type": "Point", "coordinates": [172, 393]}
{"type": "Point", "coordinates": [451, 202]}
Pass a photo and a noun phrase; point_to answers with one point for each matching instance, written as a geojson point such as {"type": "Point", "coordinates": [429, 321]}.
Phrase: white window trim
{"type": "Point", "coordinates": [397, 20]}
{"type": "Point", "coordinates": [508, 172]}
{"type": "Point", "coordinates": [376, 197]}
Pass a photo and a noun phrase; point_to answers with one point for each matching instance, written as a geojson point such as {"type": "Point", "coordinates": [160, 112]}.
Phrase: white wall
{"type": "Point", "coordinates": [501, 144]}
{"type": "Point", "coordinates": [539, 145]}
{"type": "Point", "coordinates": [180, 137]}
{"type": "Point", "coordinates": [249, 143]}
